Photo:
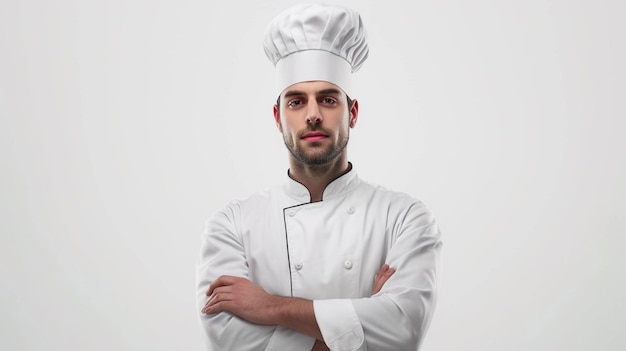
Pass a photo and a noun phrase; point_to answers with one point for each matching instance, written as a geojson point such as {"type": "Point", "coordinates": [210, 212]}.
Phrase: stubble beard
{"type": "Point", "coordinates": [316, 156]}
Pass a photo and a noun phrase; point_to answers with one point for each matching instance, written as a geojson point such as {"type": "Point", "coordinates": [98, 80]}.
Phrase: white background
{"type": "Point", "coordinates": [125, 124]}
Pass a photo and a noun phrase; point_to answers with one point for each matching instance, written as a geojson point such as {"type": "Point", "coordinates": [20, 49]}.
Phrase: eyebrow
{"type": "Point", "coordinates": [321, 92]}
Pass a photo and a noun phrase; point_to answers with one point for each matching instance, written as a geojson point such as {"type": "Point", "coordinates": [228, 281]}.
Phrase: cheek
{"type": "Point", "coordinates": [288, 127]}
{"type": "Point", "coordinates": [347, 124]}
{"type": "Point", "coordinates": [288, 132]}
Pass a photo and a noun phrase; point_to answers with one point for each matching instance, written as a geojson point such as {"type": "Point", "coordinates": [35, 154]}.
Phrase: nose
{"type": "Point", "coordinates": [313, 115]}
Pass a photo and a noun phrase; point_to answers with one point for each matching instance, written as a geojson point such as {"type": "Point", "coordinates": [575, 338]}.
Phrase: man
{"type": "Point", "coordinates": [326, 260]}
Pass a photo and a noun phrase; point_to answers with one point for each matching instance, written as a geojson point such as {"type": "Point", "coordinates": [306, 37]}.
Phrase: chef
{"type": "Point", "coordinates": [325, 260]}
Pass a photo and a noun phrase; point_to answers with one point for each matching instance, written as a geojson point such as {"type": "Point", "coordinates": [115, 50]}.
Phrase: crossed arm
{"type": "Point", "coordinates": [397, 317]}
{"type": "Point", "coordinates": [251, 302]}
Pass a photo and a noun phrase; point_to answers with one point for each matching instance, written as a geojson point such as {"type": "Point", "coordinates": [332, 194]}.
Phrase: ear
{"type": "Point", "coordinates": [277, 118]}
{"type": "Point", "coordinates": [354, 113]}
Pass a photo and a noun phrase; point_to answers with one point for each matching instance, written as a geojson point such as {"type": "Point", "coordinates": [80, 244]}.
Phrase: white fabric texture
{"type": "Point", "coordinates": [327, 251]}
{"type": "Point", "coordinates": [319, 35]}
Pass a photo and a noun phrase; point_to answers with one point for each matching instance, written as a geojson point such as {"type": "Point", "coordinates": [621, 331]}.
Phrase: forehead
{"type": "Point", "coordinates": [316, 87]}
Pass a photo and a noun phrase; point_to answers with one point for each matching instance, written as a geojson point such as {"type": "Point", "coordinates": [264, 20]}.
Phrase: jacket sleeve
{"type": "Point", "coordinates": [222, 253]}
{"type": "Point", "coordinates": [398, 317]}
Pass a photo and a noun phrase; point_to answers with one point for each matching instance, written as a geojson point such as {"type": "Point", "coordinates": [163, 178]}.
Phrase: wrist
{"type": "Point", "coordinates": [295, 313]}
{"type": "Point", "coordinates": [278, 311]}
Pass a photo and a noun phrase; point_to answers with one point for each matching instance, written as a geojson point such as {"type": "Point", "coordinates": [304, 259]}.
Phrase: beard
{"type": "Point", "coordinates": [316, 153]}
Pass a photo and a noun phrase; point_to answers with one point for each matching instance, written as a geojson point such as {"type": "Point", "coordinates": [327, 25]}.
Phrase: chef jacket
{"type": "Point", "coordinates": [329, 252]}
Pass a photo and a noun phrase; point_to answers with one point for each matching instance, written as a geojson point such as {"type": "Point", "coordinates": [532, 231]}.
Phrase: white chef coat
{"type": "Point", "coordinates": [327, 251]}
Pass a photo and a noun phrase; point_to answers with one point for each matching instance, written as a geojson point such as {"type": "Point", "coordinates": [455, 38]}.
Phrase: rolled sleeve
{"type": "Point", "coordinates": [398, 317]}
{"type": "Point", "coordinates": [339, 324]}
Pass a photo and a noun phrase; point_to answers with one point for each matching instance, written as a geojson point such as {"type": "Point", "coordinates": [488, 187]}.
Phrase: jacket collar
{"type": "Point", "coordinates": [338, 187]}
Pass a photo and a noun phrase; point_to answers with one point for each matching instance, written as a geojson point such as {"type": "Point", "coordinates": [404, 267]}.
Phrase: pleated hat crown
{"type": "Point", "coordinates": [310, 42]}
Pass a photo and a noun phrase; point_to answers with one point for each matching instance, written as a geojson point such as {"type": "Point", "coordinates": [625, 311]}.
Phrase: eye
{"type": "Point", "coordinates": [329, 101]}
{"type": "Point", "coordinates": [294, 103]}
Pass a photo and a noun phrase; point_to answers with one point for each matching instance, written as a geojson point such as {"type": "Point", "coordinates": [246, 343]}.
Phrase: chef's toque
{"type": "Point", "coordinates": [311, 42]}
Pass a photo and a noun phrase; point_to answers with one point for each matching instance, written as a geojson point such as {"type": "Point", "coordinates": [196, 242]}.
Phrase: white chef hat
{"type": "Point", "coordinates": [316, 42]}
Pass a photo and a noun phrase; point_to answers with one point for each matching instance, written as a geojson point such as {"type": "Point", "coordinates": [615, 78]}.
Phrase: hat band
{"type": "Point", "coordinates": [310, 65]}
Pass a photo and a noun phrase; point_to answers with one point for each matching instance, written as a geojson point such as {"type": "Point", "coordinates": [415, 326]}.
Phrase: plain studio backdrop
{"type": "Point", "coordinates": [125, 124]}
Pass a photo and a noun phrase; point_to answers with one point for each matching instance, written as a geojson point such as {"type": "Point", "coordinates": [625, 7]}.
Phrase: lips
{"type": "Point", "coordinates": [314, 136]}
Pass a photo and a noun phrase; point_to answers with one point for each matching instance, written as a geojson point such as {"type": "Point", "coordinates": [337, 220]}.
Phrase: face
{"type": "Point", "coordinates": [315, 120]}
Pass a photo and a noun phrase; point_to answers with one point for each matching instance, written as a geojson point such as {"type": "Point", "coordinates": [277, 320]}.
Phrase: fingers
{"type": "Point", "coordinates": [216, 302]}
{"type": "Point", "coordinates": [220, 292]}
{"type": "Point", "coordinates": [382, 270]}
{"type": "Point", "coordinates": [381, 278]}
{"type": "Point", "coordinates": [224, 280]}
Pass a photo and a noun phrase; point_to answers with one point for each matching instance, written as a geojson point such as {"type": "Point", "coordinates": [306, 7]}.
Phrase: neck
{"type": "Point", "coordinates": [317, 177]}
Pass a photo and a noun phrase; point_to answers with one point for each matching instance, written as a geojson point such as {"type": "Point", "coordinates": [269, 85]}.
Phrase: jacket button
{"type": "Point", "coordinates": [350, 210]}
{"type": "Point", "coordinates": [291, 213]}
{"type": "Point", "coordinates": [298, 266]}
{"type": "Point", "coordinates": [347, 264]}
